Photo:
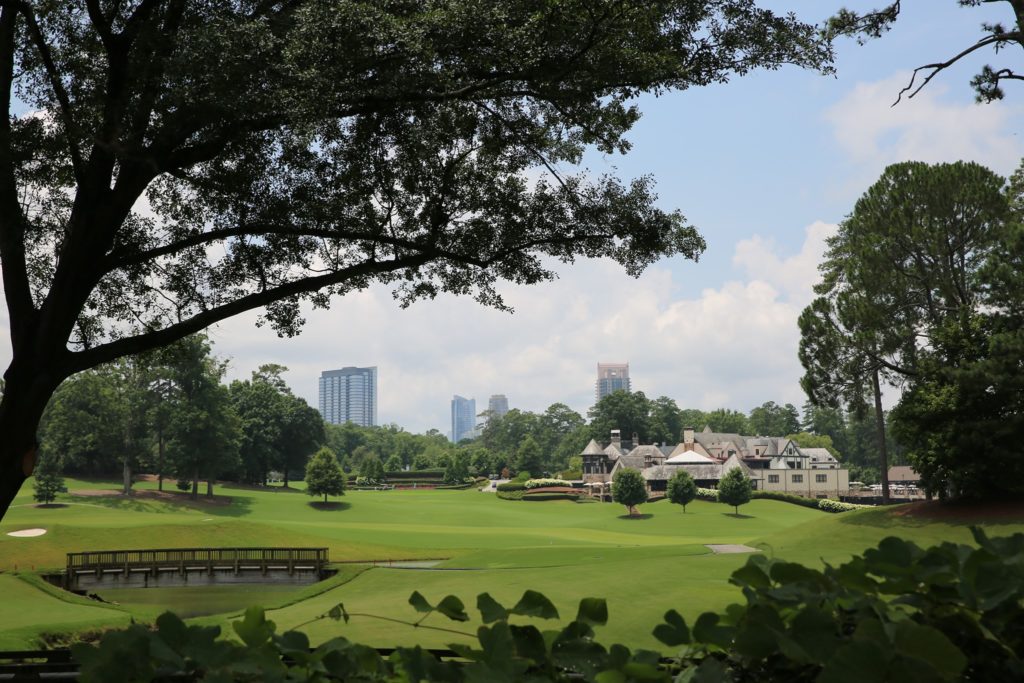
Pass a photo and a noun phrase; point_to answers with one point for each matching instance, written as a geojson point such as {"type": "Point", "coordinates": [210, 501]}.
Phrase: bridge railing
{"type": "Point", "coordinates": [175, 557]}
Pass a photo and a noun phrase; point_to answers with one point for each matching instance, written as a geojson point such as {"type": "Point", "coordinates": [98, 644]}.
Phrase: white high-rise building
{"type": "Point", "coordinates": [349, 395]}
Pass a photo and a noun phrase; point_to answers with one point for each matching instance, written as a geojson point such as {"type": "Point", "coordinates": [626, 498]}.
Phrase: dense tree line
{"type": "Point", "coordinates": [170, 414]}
{"type": "Point", "coordinates": [922, 292]}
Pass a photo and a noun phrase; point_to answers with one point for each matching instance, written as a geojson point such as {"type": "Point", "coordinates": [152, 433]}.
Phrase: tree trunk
{"type": "Point", "coordinates": [195, 484]}
{"type": "Point", "coordinates": [883, 454]}
{"type": "Point", "coordinates": [325, 499]}
{"type": "Point", "coordinates": [160, 459]}
{"type": "Point", "coordinates": [126, 474]}
{"type": "Point", "coordinates": [209, 488]}
{"type": "Point", "coordinates": [25, 396]}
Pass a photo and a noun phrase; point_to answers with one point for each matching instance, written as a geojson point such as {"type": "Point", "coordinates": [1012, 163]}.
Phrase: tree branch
{"type": "Point", "coordinates": [12, 219]}
{"type": "Point", "coordinates": [104, 353]}
{"type": "Point", "coordinates": [939, 67]}
{"type": "Point", "coordinates": [56, 83]}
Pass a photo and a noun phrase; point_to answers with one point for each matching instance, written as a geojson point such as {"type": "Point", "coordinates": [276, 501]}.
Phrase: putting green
{"type": "Point", "coordinates": [567, 550]}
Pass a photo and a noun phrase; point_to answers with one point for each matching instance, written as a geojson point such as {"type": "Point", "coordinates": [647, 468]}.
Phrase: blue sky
{"type": "Point", "coordinates": [764, 166]}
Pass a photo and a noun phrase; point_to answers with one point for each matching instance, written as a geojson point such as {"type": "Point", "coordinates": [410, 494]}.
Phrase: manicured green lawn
{"type": "Point", "coordinates": [566, 550]}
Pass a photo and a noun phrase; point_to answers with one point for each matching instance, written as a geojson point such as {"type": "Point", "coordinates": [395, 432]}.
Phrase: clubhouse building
{"type": "Point", "coordinates": [772, 463]}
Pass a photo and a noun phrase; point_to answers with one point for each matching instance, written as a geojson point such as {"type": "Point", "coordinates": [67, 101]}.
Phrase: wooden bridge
{"type": "Point", "coordinates": [177, 565]}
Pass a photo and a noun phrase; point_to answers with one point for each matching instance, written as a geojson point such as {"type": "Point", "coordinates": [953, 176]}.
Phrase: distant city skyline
{"type": "Point", "coordinates": [611, 377]}
{"type": "Point", "coordinates": [497, 405]}
{"type": "Point", "coordinates": [463, 418]}
{"type": "Point", "coordinates": [349, 395]}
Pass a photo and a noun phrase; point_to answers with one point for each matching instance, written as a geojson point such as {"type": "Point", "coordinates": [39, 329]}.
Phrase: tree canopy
{"type": "Point", "coordinates": [919, 284]}
{"type": "Point", "coordinates": [682, 489]}
{"type": "Point", "coordinates": [323, 476]}
{"type": "Point", "coordinates": [629, 489]}
{"type": "Point", "coordinates": [735, 489]}
{"type": "Point", "coordinates": [995, 37]}
{"type": "Point", "coordinates": [186, 161]}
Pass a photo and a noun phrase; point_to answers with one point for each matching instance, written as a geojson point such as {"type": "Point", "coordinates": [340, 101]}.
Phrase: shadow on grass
{"type": "Point", "coordinates": [645, 515]}
{"type": "Point", "coordinates": [330, 505]}
{"type": "Point", "coordinates": [738, 515]}
{"type": "Point", "coordinates": [922, 513]}
{"type": "Point", "coordinates": [162, 502]}
{"type": "Point", "coordinates": [51, 506]}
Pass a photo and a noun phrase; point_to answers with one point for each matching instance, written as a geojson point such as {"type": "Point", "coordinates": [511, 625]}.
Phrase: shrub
{"type": "Point", "coordinates": [550, 496]}
{"type": "Point", "coordinates": [708, 494]}
{"type": "Point", "coordinates": [786, 498]}
{"type": "Point", "coordinates": [540, 483]}
{"type": "Point", "coordinates": [512, 486]}
{"type": "Point", "coordinates": [183, 484]}
{"type": "Point", "coordinates": [511, 495]}
{"type": "Point", "coordinates": [829, 505]}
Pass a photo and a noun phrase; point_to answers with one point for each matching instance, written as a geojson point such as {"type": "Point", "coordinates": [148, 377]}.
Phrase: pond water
{"type": "Point", "coordinates": [198, 601]}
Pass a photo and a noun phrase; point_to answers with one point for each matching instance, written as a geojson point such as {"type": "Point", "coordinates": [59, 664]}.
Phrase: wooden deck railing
{"type": "Point", "coordinates": [234, 558]}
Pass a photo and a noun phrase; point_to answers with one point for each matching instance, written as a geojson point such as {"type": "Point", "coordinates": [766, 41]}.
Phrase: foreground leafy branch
{"type": "Point", "coordinates": [898, 612]}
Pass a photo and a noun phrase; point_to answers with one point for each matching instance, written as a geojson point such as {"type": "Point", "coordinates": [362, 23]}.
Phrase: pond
{"type": "Point", "coordinates": [198, 601]}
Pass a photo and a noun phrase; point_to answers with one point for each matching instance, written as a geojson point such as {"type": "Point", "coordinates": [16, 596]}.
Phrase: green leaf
{"type": "Point", "coordinates": [338, 612]}
{"type": "Point", "coordinates": [856, 662]}
{"type": "Point", "coordinates": [612, 676]}
{"type": "Point", "coordinates": [490, 609]}
{"type": "Point", "coordinates": [419, 603]}
{"type": "Point", "coordinates": [711, 670]}
{"type": "Point", "coordinates": [754, 573]}
{"type": "Point", "coordinates": [453, 608]}
{"type": "Point", "coordinates": [593, 611]}
{"type": "Point", "coordinates": [930, 645]}
{"type": "Point", "coordinates": [674, 631]}
{"type": "Point", "coordinates": [707, 630]}
{"type": "Point", "coordinates": [254, 629]}
{"type": "Point", "coordinates": [534, 604]}
{"type": "Point", "coordinates": [529, 643]}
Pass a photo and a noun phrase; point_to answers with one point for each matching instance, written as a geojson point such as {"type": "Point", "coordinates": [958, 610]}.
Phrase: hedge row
{"type": "Point", "coordinates": [415, 474]}
{"type": "Point", "coordinates": [510, 495]}
{"type": "Point", "coordinates": [550, 496]}
{"type": "Point", "coordinates": [512, 486]}
{"type": "Point", "coordinates": [543, 483]}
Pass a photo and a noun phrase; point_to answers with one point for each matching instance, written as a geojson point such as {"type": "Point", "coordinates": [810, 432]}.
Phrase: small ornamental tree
{"type": "Point", "coordinates": [324, 476]}
{"type": "Point", "coordinates": [735, 489]}
{"type": "Point", "coordinates": [393, 464]}
{"type": "Point", "coordinates": [629, 489]}
{"type": "Point", "coordinates": [48, 479]}
{"type": "Point", "coordinates": [682, 488]}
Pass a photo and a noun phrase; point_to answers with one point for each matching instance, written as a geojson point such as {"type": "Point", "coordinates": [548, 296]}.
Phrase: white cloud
{"type": "Point", "coordinates": [931, 127]}
{"type": "Point", "coordinates": [732, 346]}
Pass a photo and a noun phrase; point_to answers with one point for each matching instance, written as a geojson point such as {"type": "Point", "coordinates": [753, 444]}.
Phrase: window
{"type": "Point", "coordinates": [773, 479]}
{"type": "Point", "coordinates": [821, 478]}
{"type": "Point", "coordinates": [798, 478]}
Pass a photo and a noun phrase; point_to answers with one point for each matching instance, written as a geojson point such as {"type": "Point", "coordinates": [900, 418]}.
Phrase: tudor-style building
{"type": "Point", "coordinates": [772, 463]}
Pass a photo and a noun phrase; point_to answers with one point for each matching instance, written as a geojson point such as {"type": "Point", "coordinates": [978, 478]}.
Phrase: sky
{"type": "Point", "coordinates": [764, 166]}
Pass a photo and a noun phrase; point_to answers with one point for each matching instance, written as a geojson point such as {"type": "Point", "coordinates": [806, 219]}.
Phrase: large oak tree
{"type": "Point", "coordinates": [184, 161]}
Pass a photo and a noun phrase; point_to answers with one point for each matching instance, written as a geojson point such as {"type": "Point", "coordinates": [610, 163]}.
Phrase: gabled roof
{"type": "Point", "coordinates": [647, 450]}
{"type": "Point", "coordinates": [593, 448]}
{"type": "Point", "coordinates": [689, 458]}
{"type": "Point", "coordinates": [819, 454]}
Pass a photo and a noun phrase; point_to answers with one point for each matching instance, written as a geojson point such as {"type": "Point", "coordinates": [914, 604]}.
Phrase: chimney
{"type": "Point", "coordinates": [687, 438]}
{"type": "Point", "coordinates": [636, 440]}
{"type": "Point", "coordinates": [616, 437]}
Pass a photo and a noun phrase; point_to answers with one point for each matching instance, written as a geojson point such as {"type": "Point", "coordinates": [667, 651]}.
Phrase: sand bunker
{"type": "Point", "coordinates": [27, 533]}
{"type": "Point", "coordinates": [721, 548]}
